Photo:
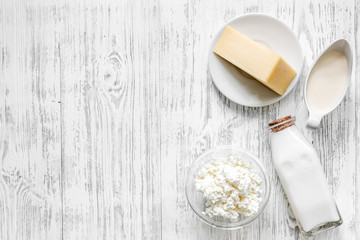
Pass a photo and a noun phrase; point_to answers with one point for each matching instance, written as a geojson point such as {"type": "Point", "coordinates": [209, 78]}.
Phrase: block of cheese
{"type": "Point", "coordinates": [261, 63]}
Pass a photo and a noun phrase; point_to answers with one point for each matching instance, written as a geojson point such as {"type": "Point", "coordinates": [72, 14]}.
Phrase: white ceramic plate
{"type": "Point", "coordinates": [269, 32]}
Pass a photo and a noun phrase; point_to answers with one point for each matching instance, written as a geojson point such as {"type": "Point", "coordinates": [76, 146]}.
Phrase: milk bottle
{"type": "Point", "coordinates": [302, 178]}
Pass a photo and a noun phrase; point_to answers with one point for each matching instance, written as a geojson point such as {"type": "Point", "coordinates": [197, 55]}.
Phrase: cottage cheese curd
{"type": "Point", "coordinates": [230, 186]}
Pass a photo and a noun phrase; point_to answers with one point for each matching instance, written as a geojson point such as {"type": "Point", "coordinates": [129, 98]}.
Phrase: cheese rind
{"type": "Point", "coordinates": [263, 64]}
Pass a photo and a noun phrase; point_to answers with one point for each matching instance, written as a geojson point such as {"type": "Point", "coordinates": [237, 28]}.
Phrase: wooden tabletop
{"type": "Point", "coordinates": [104, 106]}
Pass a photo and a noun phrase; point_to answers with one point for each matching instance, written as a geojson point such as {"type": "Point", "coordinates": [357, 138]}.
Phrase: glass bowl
{"type": "Point", "coordinates": [197, 201]}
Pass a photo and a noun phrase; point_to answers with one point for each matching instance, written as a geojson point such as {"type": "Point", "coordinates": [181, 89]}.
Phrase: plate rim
{"type": "Point", "coordinates": [261, 15]}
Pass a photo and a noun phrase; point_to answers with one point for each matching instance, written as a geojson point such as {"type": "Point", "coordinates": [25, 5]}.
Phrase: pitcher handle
{"type": "Point", "coordinates": [314, 120]}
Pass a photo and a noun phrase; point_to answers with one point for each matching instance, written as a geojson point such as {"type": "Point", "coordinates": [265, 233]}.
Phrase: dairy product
{"type": "Point", "coordinates": [263, 64]}
{"type": "Point", "coordinates": [300, 172]}
{"type": "Point", "coordinates": [327, 81]}
{"type": "Point", "coordinates": [230, 186]}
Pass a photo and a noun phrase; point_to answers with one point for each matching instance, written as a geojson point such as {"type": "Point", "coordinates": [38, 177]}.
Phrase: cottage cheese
{"type": "Point", "coordinates": [230, 186]}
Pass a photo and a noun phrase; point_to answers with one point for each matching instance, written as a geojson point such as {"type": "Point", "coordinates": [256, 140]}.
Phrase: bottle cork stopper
{"type": "Point", "coordinates": [277, 126]}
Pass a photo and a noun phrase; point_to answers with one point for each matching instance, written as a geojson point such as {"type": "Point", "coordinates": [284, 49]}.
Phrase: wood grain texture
{"type": "Point", "coordinates": [105, 104]}
{"type": "Point", "coordinates": [30, 143]}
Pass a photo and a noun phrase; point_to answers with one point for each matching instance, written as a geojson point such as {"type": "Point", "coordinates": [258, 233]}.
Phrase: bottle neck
{"type": "Point", "coordinates": [281, 124]}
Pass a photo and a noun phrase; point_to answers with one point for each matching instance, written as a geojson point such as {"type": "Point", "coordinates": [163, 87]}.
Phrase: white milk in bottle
{"type": "Point", "coordinates": [303, 180]}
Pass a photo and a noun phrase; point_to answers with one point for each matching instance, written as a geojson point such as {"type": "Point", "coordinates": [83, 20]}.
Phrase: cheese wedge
{"type": "Point", "coordinates": [261, 63]}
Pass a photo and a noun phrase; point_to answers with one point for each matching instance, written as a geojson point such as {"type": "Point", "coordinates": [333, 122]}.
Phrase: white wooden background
{"type": "Point", "coordinates": [104, 105]}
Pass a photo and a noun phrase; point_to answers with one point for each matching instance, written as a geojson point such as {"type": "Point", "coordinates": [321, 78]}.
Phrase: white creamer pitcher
{"type": "Point", "coordinates": [327, 81]}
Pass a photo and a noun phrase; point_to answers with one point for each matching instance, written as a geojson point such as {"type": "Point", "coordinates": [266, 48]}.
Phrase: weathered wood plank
{"type": "Point", "coordinates": [355, 195]}
{"type": "Point", "coordinates": [30, 179]}
{"type": "Point", "coordinates": [111, 127]}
